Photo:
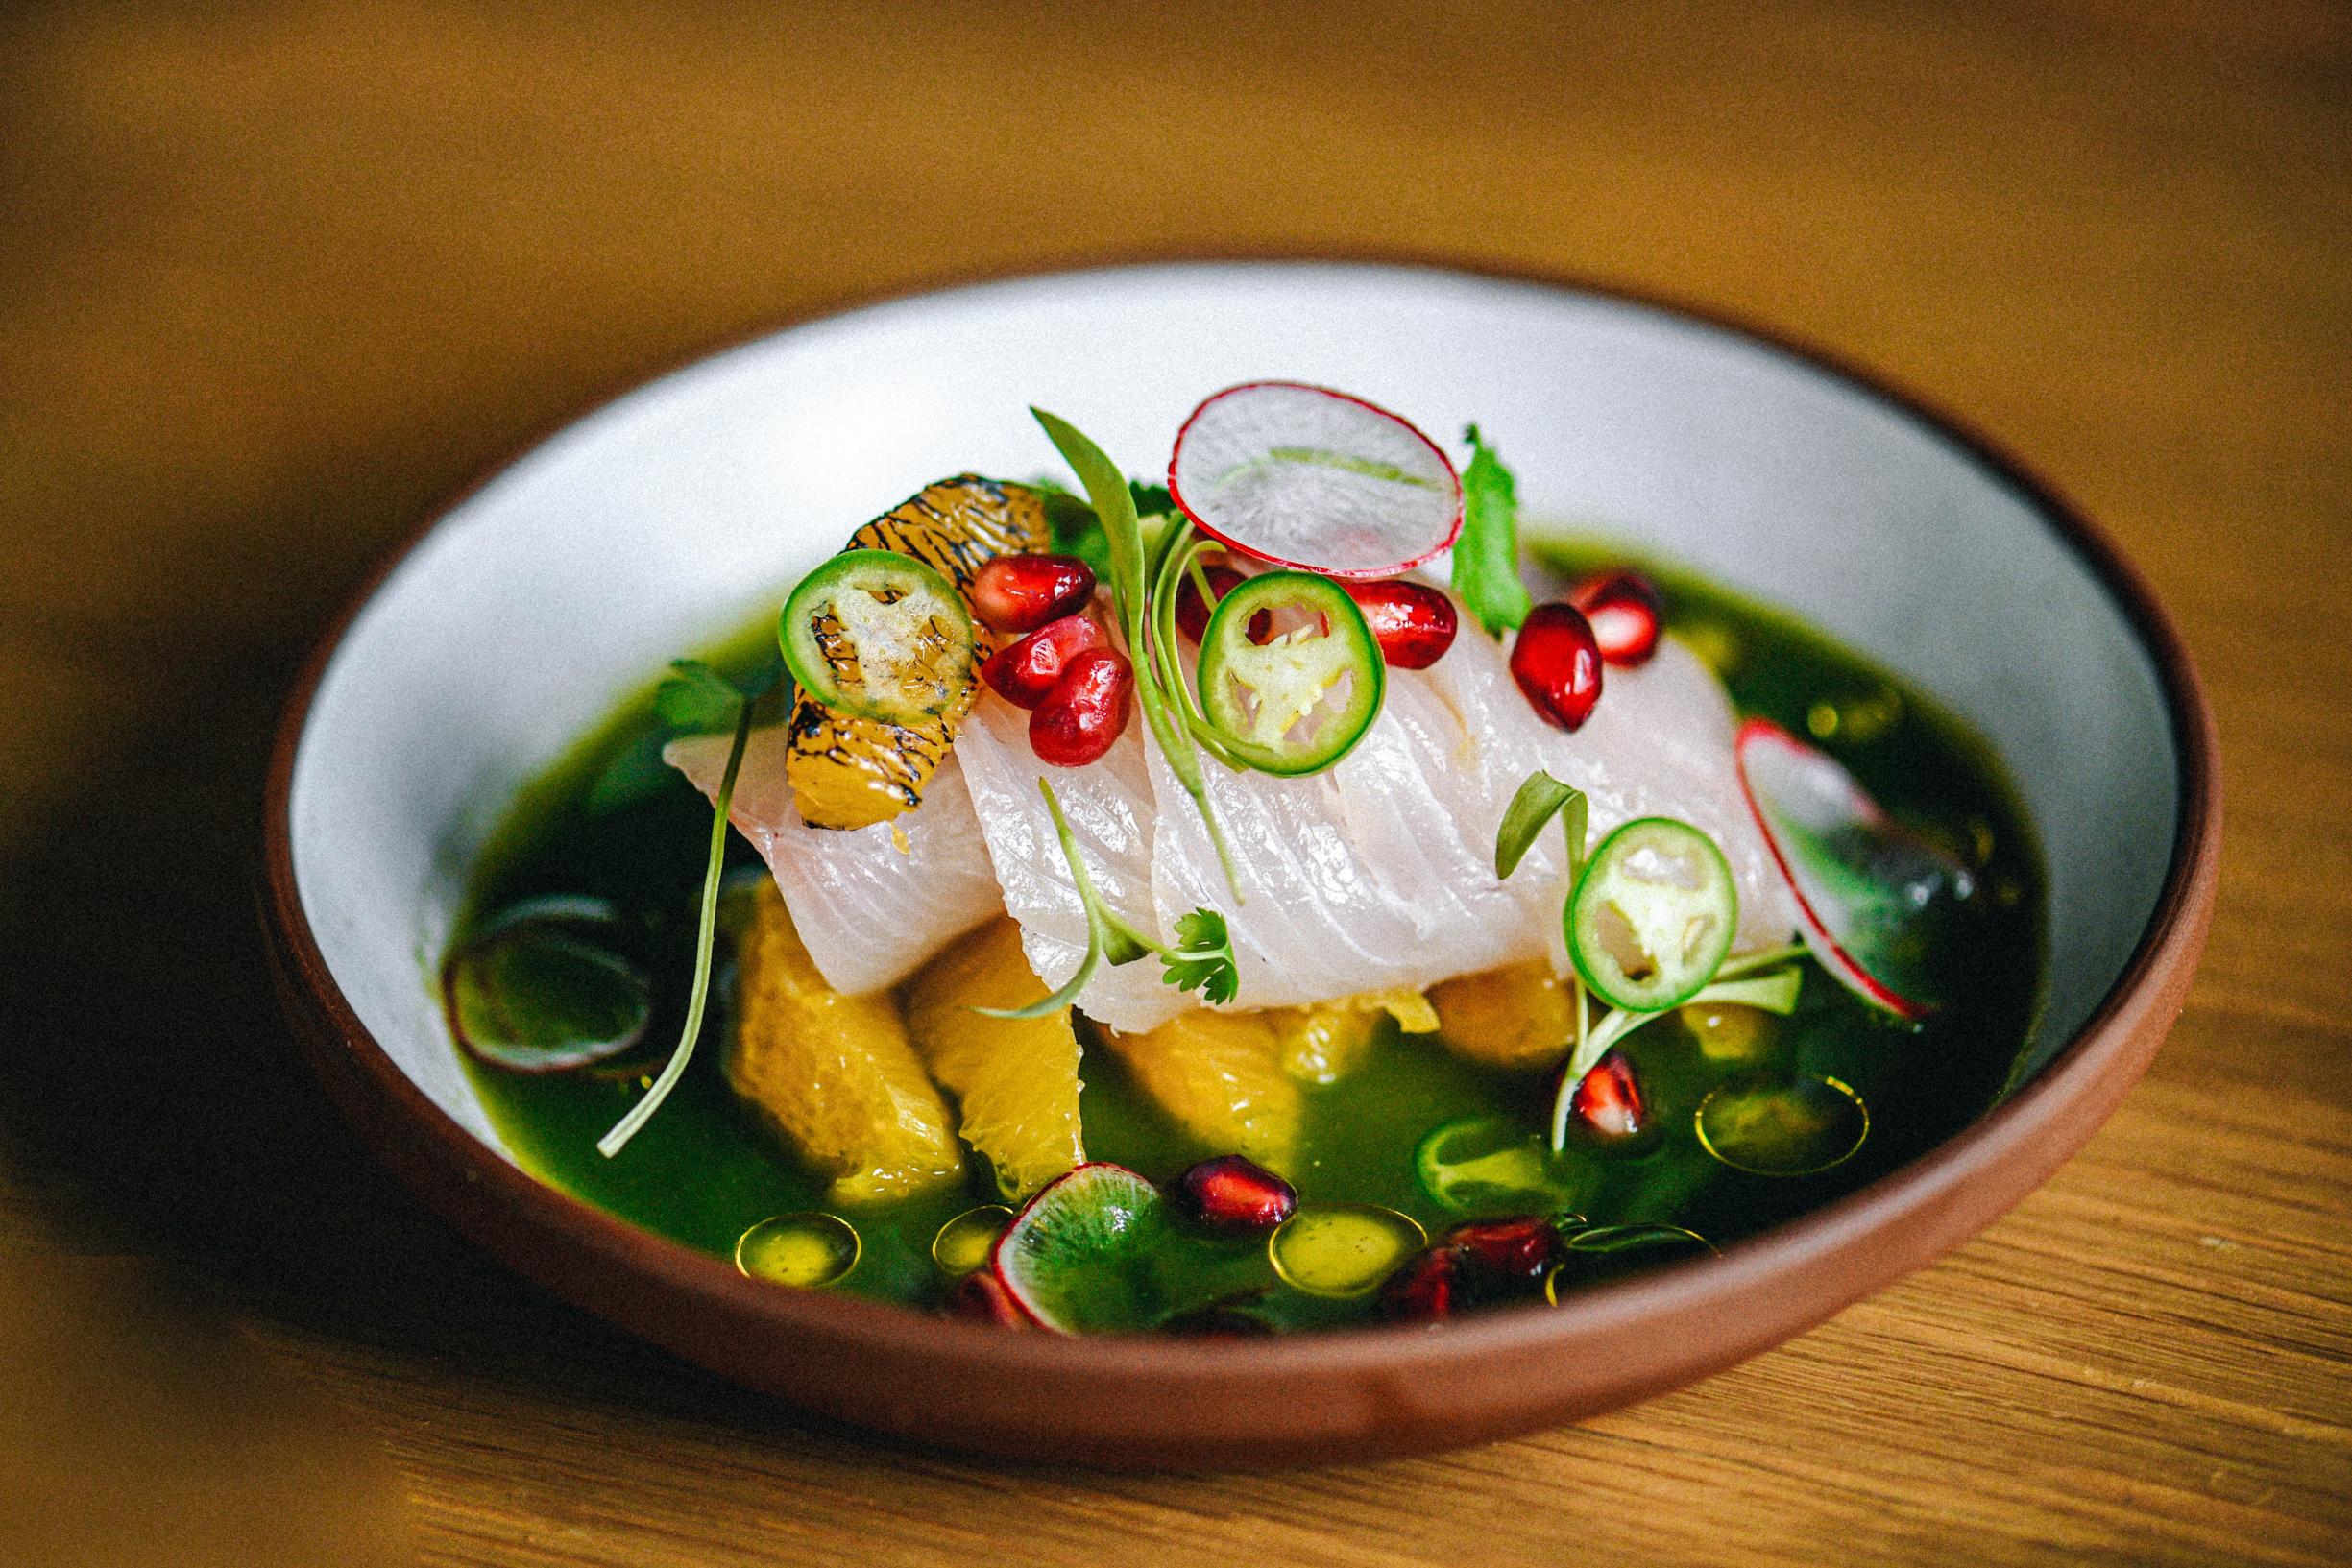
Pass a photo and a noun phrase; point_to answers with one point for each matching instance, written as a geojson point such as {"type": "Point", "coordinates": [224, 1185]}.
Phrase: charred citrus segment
{"type": "Point", "coordinates": [833, 1076]}
{"type": "Point", "coordinates": [1343, 1249]}
{"type": "Point", "coordinates": [848, 771]}
{"type": "Point", "coordinates": [1323, 1042]}
{"type": "Point", "coordinates": [804, 1249]}
{"type": "Point", "coordinates": [1079, 1257]}
{"type": "Point", "coordinates": [1015, 1080]}
{"type": "Point", "coordinates": [1518, 1015]}
{"type": "Point", "coordinates": [1220, 1076]}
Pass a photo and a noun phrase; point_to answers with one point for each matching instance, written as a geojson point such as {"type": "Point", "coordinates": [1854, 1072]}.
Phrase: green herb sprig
{"type": "Point", "coordinates": [1201, 959]}
{"type": "Point", "coordinates": [695, 699]}
{"type": "Point", "coordinates": [1487, 551]}
{"type": "Point", "coordinates": [1740, 981]}
{"type": "Point", "coordinates": [1131, 582]}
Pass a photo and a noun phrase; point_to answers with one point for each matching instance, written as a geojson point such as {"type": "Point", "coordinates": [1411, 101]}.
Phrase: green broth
{"type": "Point", "coordinates": [611, 821]}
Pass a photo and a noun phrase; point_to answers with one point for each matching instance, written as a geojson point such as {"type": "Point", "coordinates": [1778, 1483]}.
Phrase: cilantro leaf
{"type": "Point", "coordinates": [1486, 554]}
{"type": "Point", "coordinates": [1204, 957]}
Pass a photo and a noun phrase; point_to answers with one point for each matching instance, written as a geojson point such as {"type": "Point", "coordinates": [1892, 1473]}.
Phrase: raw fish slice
{"type": "Point", "coordinates": [1110, 807]}
{"type": "Point", "coordinates": [871, 904]}
{"type": "Point", "coordinates": [1657, 744]}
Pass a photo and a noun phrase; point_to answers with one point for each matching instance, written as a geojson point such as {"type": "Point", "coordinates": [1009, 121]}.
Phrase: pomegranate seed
{"type": "Point", "coordinates": [1626, 611]}
{"type": "Point", "coordinates": [1428, 1284]}
{"type": "Point", "coordinates": [1085, 711]}
{"type": "Point", "coordinates": [1609, 1103]}
{"type": "Point", "coordinates": [1412, 622]}
{"type": "Point", "coordinates": [1558, 664]}
{"type": "Point", "coordinates": [1022, 592]}
{"type": "Point", "coordinates": [1024, 672]}
{"type": "Point", "coordinates": [982, 1298]}
{"type": "Point", "coordinates": [1235, 1195]}
{"type": "Point", "coordinates": [1508, 1251]}
{"type": "Point", "coordinates": [1193, 616]}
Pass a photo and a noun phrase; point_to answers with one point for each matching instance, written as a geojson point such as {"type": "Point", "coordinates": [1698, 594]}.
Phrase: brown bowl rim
{"type": "Point", "coordinates": [633, 1275]}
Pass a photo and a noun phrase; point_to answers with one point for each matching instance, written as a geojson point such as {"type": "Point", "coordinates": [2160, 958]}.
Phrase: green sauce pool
{"type": "Point", "coordinates": [611, 821]}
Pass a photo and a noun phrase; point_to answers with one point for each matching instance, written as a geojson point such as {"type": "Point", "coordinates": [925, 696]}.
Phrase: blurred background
{"type": "Point", "coordinates": [276, 280]}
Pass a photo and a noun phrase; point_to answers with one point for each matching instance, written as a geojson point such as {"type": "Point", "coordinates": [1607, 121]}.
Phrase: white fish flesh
{"type": "Point", "coordinates": [871, 904]}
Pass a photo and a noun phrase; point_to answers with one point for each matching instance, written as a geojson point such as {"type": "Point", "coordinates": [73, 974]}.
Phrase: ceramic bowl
{"type": "Point", "coordinates": [673, 515]}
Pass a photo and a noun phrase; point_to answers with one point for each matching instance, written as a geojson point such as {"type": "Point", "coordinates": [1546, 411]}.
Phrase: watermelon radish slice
{"type": "Point", "coordinates": [1079, 1257]}
{"type": "Point", "coordinates": [1304, 476]}
{"type": "Point", "coordinates": [1869, 893]}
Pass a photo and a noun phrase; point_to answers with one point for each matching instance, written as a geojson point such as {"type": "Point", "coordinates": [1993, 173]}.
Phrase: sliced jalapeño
{"type": "Point", "coordinates": [875, 634]}
{"type": "Point", "coordinates": [1299, 700]}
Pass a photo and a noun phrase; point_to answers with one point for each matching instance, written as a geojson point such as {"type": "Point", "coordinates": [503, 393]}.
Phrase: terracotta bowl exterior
{"type": "Point", "coordinates": [1192, 1404]}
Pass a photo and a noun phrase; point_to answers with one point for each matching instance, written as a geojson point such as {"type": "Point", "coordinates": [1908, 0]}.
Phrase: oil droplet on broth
{"type": "Point", "coordinates": [1857, 718]}
{"type": "Point", "coordinates": [804, 1249]}
{"type": "Point", "coordinates": [963, 1242]}
{"type": "Point", "coordinates": [1342, 1249]}
{"type": "Point", "coordinates": [1783, 1127]}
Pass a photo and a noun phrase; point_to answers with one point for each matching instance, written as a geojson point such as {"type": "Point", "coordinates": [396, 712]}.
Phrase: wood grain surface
{"type": "Point", "coordinates": [273, 281]}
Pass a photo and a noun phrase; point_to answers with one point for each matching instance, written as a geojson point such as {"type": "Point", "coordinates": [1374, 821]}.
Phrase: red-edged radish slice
{"type": "Point", "coordinates": [1866, 889]}
{"type": "Point", "coordinates": [1076, 1259]}
{"type": "Point", "coordinates": [1304, 476]}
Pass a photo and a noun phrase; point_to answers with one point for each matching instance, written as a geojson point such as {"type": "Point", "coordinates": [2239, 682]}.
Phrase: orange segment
{"type": "Point", "coordinates": [1323, 1042]}
{"type": "Point", "coordinates": [1015, 1080]}
{"type": "Point", "coordinates": [1220, 1076]}
{"type": "Point", "coordinates": [1519, 1015]}
{"type": "Point", "coordinates": [833, 1076]}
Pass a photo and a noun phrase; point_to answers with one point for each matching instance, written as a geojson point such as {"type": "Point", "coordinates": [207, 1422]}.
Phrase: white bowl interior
{"type": "Point", "coordinates": [674, 515]}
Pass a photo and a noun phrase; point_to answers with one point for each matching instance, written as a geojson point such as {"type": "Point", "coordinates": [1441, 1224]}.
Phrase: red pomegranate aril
{"type": "Point", "coordinates": [1086, 711]}
{"type": "Point", "coordinates": [1558, 664]}
{"type": "Point", "coordinates": [1412, 622]}
{"type": "Point", "coordinates": [1508, 1251]}
{"type": "Point", "coordinates": [1192, 616]}
{"type": "Point", "coordinates": [1607, 1105]}
{"type": "Point", "coordinates": [1024, 672]}
{"type": "Point", "coordinates": [982, 1298]}
{"type": "Point", "coordinates": [1022, 592]}
{"type": "Point", "coordinates": [1426, 1286]}
{"type": "Point", "coordinates": [1626, 611]}
{"type": "Point", "coordinates": [1235, 1195]}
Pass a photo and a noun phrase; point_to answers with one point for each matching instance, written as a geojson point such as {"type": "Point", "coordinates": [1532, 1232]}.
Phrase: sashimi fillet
{"type": "Point", "coordinates": [1112, 812]}
{"type": "Point", "coordinates": [1380, 872]}
{"type": "Point", "coordinates": [871, 904]}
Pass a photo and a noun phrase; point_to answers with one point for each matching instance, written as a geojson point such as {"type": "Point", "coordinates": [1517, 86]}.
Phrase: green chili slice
{"type": "Point", "coordinates": [879, 634]}
{"type": "Point", "coordinates": [1301, 701]}
{"type": "Point", "coordinates": [1653, 914]}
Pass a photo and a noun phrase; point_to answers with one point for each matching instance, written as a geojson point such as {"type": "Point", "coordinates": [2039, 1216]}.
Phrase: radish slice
{"type": "Point", "coordinates": [1868, 891]}
{"type": "Point", "coordinates": [1304, 476]}
{"type": "Point", "coordinates": [1077, 1259]}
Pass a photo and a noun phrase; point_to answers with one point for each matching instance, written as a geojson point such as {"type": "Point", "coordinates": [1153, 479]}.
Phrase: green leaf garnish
{"type": "Point", "coordinates": [1539, 799]}
{"type": "Point", "coordinates": [1202, 957]}
{"type": "Point", "coordinates": [695, 699]}
{"type": "Point", "coordinates": [1487, 552]}
{"type": "Point", "coordinates": [628, 1126]}
{"type": "Point", "coordinates": [1114, 505]}
{"type": "Point", "coordinates": [1152, 500]}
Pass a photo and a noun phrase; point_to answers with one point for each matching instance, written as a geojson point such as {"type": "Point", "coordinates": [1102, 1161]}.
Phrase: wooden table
{"type": "Point", "coordinates": [269, 286]}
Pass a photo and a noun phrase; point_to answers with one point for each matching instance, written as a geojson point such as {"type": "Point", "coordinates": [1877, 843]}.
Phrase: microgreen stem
{"type": "Point", "coordinates": [1773, 993]}
{"type": "Point", "coordinates": [628, 1126]}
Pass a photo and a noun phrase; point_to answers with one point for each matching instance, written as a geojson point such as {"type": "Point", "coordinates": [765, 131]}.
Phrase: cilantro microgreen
{"type": "Point", "coordinates": [1132, 580]}
{"type": "Point", "coordinates": [688, 702]}
{"type": "Point", "coordinates": [1773, 993]}
{"type": "Point", "coordinates": [1202, 957]}
{"type": "Point", "coordinates": [1539, 799]}
{"type": "Point", "coordinates": [1487, 552]}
